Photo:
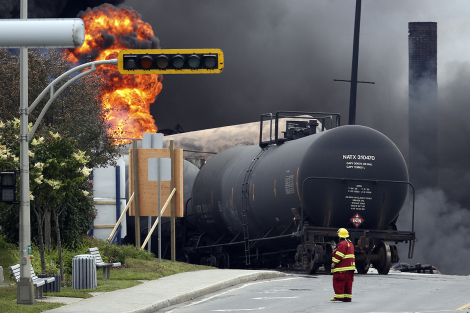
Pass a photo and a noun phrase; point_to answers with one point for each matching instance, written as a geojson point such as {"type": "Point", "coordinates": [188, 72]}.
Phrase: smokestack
{"type": "Point", "coordinates": [423, 112]}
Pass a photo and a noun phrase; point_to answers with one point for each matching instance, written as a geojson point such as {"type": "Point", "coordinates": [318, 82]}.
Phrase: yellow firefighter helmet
{"type": "Point", "coordinates": [343, 233]}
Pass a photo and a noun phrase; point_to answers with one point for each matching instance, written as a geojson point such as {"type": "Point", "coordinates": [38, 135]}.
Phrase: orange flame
{"type": "Point", "coordinates": [126, 98]}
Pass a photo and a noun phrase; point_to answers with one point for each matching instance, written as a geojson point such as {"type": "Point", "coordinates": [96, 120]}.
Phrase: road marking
{"type": "Point", "coordinates": [433, 311]}
{"type": "Point", "coordinates": [231, 290]}
{"type": "Point", "coordinates": [238, 310]}
{"type": "Point", "coordinates": [271, 298]}
{"type": "Point", "coordinates": [466, 306]}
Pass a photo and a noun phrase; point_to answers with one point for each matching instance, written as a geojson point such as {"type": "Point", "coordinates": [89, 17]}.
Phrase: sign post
{"type": "Point", "coordinates": [160, 169]}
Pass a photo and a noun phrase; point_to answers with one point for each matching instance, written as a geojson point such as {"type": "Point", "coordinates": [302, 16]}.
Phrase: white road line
{"type": "Point", "coordinates": [438, 311]}
{"type": "Point", "coordinates": [231, 290]}
{"type": "Point", "coordinates": [271, 298]}
{"type": "Point", "coordinates": [238, 310]}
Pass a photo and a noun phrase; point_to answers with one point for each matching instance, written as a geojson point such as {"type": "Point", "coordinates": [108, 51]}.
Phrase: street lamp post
{"type": "Point", "coordinates": [33, 33]}
{"type": "Point", "coordinates": [25, 292]}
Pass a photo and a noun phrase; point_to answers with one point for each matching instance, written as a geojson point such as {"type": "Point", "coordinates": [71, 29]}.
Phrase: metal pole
{"type": "Point", "coordinates": [355, 60]}
{"type": "Point", "coordinates": [25, 288]}
{"type": "Point", "coordinates": [173, 211]}
{"type": "Point", "coordinates": [159, 211]}
{"type": "Point", "coordinates": [118, 201]}
{"type": "Point", "coordinates": [136, 193]}
{"type": "Point", "coordinates": [149, 225]}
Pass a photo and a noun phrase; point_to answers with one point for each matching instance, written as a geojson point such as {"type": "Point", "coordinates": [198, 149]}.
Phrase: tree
{"type": "Point", "coordinates": [76, 113]}
{"type": "Point", "coordinates": [58, 178]}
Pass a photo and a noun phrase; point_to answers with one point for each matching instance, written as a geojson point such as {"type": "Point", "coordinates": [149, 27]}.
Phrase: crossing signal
{"type": "Point", "coordinates": [171, 61]}
{"type": "Point", "coordinates": [8, 186]}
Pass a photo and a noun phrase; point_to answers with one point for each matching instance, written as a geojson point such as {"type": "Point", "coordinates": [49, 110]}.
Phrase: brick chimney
{"type": "Point", "coordinates": [423, 110]}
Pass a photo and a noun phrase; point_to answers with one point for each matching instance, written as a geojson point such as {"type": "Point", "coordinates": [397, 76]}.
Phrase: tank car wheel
{"type": "Point", "coordinates": [310, 266]}
{"type": "Point", "coordinates": [362, 267]}
{"type": "Point", "coordinates": [329, 255]}
{"type": "Point", "coordinates": [385, 258]}
{"type": "Point", "coordinates": [224, 261]}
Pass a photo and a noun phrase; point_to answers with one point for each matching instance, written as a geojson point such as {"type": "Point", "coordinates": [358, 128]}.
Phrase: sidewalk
{"type": "Point", "coordinates": [161, 293]}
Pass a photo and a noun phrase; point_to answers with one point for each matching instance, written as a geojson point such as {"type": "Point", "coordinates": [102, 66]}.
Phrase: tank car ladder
{"type": "Point", "coordinates": [245, 205]}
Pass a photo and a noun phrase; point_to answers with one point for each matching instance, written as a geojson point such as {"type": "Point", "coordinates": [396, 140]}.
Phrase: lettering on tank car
{"type": "Point", "coordinates": [358, 196]}
{"type": "Point", "coordinates": [206, 208]}
{"type": "Point", "coordinates": [356, 164]}
{"type": "Point", "coordinates": [289, 182]}
{"type": "Point", "coordinates": [206, 213]}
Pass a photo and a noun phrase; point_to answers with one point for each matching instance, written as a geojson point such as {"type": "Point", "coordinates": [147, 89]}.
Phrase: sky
{"type": "Point", "coordinates": [285, 55]}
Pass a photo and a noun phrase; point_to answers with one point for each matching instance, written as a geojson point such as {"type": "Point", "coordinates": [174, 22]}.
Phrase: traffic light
{"type": "Point", "coordinates": [8, 184]}
{"type": "Point", "coordinates": [171, 61]}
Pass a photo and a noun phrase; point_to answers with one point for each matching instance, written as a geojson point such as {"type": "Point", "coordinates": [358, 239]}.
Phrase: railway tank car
{"type": "Point", "coordinates": [286, 198]}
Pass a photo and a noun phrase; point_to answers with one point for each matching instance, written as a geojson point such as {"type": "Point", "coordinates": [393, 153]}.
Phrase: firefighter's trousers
{"type": "Point", "coordinates": [342, 285]}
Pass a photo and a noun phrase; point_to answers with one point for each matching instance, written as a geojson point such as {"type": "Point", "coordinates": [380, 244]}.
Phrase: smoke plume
{"type": "Point", "coordinates": [286, 55]}
{"type": "Point", "coordinates": [442, 229]}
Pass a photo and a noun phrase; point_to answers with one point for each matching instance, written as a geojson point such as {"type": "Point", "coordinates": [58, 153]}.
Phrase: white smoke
{"type": "Point", "coordinates": [442, 228]}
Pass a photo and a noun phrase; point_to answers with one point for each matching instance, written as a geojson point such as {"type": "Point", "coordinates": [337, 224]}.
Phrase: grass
{"type": "Point", "coordinates": [127, 276]}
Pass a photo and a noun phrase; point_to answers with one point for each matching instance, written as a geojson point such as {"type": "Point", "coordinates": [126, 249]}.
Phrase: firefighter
{"type": "Point", "coordinates": [343, 267]}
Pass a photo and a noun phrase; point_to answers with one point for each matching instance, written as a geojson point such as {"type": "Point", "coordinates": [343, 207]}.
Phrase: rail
{"type": "Point", "coordinates": [334, 119]}
{"type": "Point", "coordinates": [243, 242]}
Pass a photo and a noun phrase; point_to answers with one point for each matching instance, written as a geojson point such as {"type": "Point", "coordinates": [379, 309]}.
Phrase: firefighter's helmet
{"type": "Point", "coordinates": [343, 233]}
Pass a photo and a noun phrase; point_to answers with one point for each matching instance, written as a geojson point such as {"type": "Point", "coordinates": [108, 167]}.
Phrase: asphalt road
{"type": "Point", "coordinates": [372, 293]}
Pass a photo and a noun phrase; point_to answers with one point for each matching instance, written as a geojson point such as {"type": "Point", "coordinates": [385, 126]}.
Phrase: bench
{"type": "Point", "coordinates": [100, 263]}
{"type": "Point", "coordinates": [37, 282]}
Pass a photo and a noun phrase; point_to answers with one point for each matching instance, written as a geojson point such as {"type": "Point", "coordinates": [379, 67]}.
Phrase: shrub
{"type": "Point", "coordinates": [114, 253]}
{"type": "Point", "coordinates": [4, 244]}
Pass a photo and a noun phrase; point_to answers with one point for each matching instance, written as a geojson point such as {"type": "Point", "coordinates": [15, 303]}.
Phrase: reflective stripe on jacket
{"type": "Point", "coordinates": [343, 256]}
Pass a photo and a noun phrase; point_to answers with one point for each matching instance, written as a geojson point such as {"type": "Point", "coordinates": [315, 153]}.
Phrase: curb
{"type": "Point", "coordinates": [210, 289]}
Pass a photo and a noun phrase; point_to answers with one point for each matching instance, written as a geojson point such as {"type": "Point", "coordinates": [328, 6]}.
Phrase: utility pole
{"type": "Point", "coordinates": [355, 62]}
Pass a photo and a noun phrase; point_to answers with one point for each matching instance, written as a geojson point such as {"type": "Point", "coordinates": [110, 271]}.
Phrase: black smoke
{"type": "Point", "coordinates": [109, 38]}
{"type": "Point", "coordinates": [285, 55]}
{"type": "Point", "coordinates": [50, 8]}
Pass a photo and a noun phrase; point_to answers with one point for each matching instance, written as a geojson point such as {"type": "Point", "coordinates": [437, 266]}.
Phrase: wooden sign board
{"type": "Point", "coordinates": [148, 190]}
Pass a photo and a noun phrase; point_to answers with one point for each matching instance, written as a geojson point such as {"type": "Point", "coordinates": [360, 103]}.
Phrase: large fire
{"type": "Point", "coordinates": [126, 98]}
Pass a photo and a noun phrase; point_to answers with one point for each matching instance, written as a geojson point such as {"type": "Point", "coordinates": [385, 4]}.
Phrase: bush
{"type": "Point", "coordinates": [4, 244]}
{"type": "Point", "coordinates": [132, 252]}
{"type": "Point", "coordinates": [114, 253]}
{"type": "Point", "coordinates": [109, 252]}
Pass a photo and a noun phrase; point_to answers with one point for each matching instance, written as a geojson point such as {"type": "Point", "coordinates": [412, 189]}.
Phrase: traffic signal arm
{"type": "Point", "coordinates": [171, 61]}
